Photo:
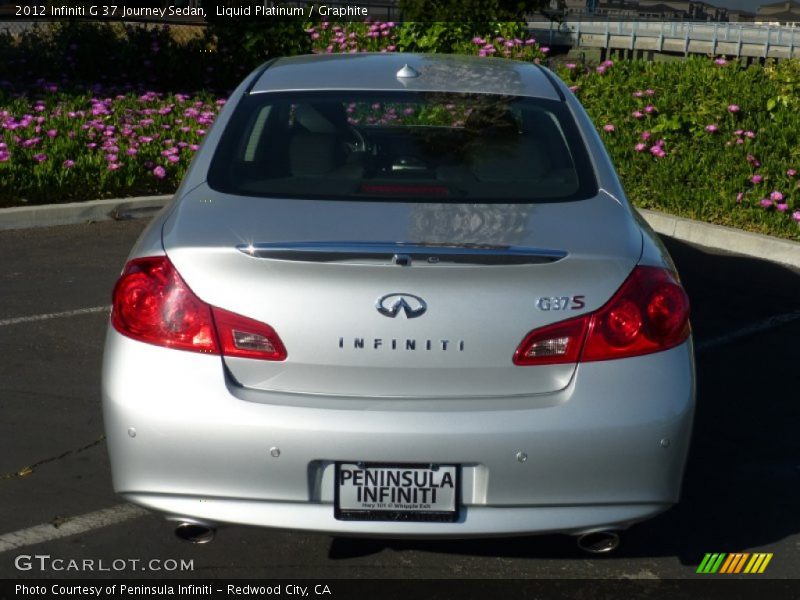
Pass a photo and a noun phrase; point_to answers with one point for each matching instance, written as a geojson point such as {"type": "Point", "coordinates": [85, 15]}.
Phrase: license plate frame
{"type": "Point", "coordinates": [446, 512]}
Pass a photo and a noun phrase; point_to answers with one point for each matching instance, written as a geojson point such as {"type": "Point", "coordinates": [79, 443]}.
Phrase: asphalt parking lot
{"type": "Point", "coordinates": [741, 492]}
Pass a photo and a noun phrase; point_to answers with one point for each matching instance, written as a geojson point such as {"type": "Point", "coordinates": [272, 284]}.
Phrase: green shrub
{"type": "Point", "coordinates": [719, 147]}
{"type": "Point", "coordinates": [81, 54]}
{"type": "Point", "coordinates": [503, 39]}
{"type": "Point", "coordinates": [461, 38]}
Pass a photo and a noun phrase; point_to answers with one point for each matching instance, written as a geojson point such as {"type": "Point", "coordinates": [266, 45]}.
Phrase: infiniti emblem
{"type": "Point", "coordinates": [391, 304]}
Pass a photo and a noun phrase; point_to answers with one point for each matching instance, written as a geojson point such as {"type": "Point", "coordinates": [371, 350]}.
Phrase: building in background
{"type": "Point", "coordinates": [786, 12]}
{"type": "Point", "coordinates": [680, 10]}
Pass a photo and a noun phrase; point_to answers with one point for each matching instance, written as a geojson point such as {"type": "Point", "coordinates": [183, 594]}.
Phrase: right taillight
{"type": "Point", "coordinates": [152, 303]}
{"type": "Point", "coordinates": [649, 313]}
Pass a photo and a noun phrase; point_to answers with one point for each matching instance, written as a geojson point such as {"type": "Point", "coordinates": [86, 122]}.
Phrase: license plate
{"type": "Point", "coordinates": [387, 492]}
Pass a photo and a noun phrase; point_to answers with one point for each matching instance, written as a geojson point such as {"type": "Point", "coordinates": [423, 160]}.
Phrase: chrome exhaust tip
{"type": "Point", "coordinates": [195, 533]}
{"type": "Point", "coordinates": [598, 542]}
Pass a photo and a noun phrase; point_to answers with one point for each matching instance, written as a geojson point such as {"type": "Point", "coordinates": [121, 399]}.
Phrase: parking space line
{"type": "Point", "coordinates": [81, 524]}
{"type": "Point", "coordinates": [758, 327]}
{"type": "Point", "coordinates": [58, 315]}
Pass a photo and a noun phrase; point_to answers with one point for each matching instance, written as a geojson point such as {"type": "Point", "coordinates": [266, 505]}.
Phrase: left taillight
{"type": "Point", "coordinates": [246, 338]}
{"type": "Point", "coordinates": [152, 303]}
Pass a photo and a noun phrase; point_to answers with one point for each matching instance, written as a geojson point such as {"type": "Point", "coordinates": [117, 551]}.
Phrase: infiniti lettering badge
{"type": "Point", "coordinates": [390, 305]}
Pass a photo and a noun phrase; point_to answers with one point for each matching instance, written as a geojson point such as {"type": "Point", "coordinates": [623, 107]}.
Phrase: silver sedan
{"type": "Point", "coordinates": [400, 295]}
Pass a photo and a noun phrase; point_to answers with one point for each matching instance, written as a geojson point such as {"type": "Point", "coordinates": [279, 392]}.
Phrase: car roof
{"type": "Point", "coordinates": [378, 71]}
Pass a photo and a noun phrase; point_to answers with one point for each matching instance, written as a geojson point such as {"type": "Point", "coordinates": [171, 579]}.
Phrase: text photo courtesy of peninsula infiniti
{"type": "Point", "coordinates": [400, 295]}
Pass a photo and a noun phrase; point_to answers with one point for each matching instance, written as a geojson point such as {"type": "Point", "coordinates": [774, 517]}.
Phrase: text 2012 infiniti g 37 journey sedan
{"type": "Point", "coordinates": [400, 295]}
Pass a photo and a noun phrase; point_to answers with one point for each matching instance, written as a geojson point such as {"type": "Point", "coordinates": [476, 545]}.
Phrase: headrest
{"type": "Point", "coordinates": [312, 154]}
{"type": "Point", "coordinates": [321, 117]}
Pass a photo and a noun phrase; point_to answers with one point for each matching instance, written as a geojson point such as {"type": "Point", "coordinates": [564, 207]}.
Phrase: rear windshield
{"type": "Point", "coordinates": [410, 146]}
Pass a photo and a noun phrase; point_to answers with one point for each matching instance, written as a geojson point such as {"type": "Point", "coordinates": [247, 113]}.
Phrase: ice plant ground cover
{"type": "Point", "coordinates": [58, 147]}
{"type": "Point", "coordinates": [702, 138]}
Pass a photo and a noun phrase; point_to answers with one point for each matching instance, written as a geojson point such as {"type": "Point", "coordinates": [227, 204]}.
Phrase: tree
{"type": "Point", "coordinates": [248, 41]}
{"type": "Point", "coordinates": [469, 11]}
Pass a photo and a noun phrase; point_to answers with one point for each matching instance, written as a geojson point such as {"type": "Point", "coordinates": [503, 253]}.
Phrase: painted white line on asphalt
{"type": "Point", "coordinates": [82, 524]}
{"type": "Point", "coordinates": [58, 315]}
{"type": "Point", "coordinates": [758, 327]}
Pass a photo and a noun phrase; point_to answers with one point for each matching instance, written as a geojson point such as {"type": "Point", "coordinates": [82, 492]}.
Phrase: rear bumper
{"type": "Point", "coordinates": [607, 451]}
{"type": "Point", "coordinates": [473, 521]}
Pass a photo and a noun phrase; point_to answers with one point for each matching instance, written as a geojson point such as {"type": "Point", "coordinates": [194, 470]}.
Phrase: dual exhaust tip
{"type": "Point", "coordinates": [195, 533]}
{"type": "Point", "coordinates": [595, 542]}
{"type": "Point", "coordinates": [598, 542]}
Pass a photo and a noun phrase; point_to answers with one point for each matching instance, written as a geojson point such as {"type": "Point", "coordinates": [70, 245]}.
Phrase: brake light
{"type": "Point", "coordinates": [152, 303]}
{"type": "Point", "coordinates": [649, 313]}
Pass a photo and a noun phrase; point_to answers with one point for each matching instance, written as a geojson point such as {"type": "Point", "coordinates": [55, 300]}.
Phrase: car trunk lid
{"type": "Point", "coordinates": [401, 299]}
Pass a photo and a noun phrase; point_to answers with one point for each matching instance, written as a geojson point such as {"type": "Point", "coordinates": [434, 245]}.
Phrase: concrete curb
{"type": "Point", "coordinates": [729, 239]}
{"type": "Point", "coordinates": [687, 230]}
{"type": "Point", "coordinates": [24, 217]}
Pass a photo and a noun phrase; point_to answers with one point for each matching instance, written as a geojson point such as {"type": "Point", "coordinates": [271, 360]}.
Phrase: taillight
{"type": "Point", "coordinates": [247, 338]}
{"type": "Point", "coordinates": [152, 303]}
{"type": "Point", "coordinates": [554, 344]}
{"type": "Point", "coordinates": [649, 313]}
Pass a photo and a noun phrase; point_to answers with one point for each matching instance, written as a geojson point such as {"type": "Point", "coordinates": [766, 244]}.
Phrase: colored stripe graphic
{"type": "Point", "coordinates": [717, 562]}
{"type": "Point", "coordinates": [732, 558]}
{"type": "Point", "coordinates": [758, 563]}
{"type": "Point", "coordinates": [711, 563]}
{"type": "Point", "coordinates": [734, 563]}
{"type": "Point", "coordinates": [740, 564]}
{"type": "Point", "coordinates": [703, 564]}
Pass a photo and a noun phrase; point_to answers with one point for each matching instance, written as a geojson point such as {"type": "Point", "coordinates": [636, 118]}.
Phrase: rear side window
{"type": "Point", "coordinates": [405, 146]}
